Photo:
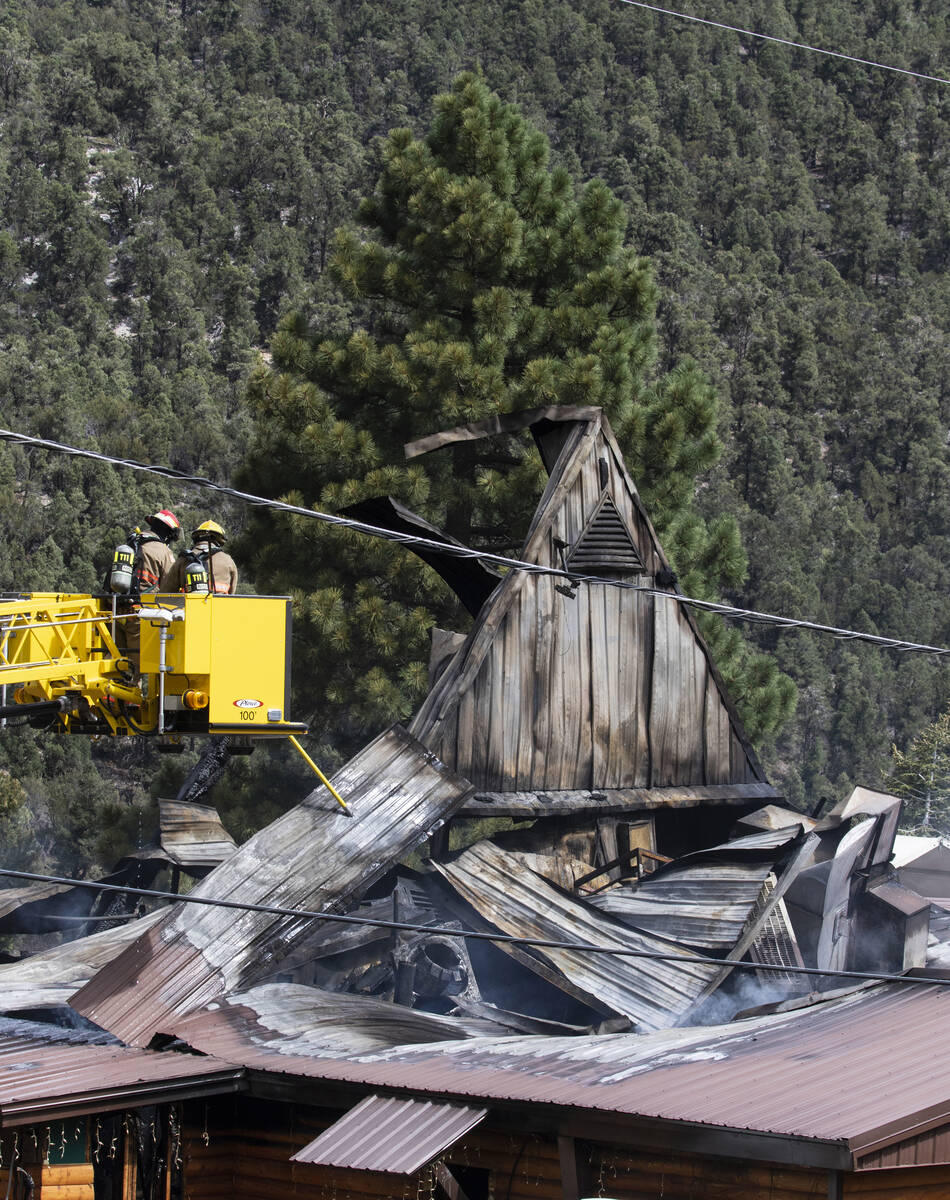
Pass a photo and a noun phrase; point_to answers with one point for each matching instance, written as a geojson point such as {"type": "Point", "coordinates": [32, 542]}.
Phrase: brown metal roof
{"type": "Point", "coordinates": [47, 1073]}
{"type": "Point", "coordinates": [396, 1136]}
{"type": "Point", "coordinates": [860, 1072]}
{"type": "Point", "coordinates": [314, 857]}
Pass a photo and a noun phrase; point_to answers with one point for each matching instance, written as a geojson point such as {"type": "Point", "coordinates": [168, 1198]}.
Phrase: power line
{"type": "Point", "coordinates": [469, 934]}
{"type": "Point", "coordinates": [415, 541]}
{"type": "Point", "coordinates": [768, 37]}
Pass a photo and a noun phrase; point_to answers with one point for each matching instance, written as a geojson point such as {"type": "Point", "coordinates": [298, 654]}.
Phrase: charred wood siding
{"type": "Point", "coordinates": [608, 688]}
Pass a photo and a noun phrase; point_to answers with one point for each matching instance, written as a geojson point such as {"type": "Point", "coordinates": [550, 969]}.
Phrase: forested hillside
{"type": "Point", "coordinates": [170, 179]}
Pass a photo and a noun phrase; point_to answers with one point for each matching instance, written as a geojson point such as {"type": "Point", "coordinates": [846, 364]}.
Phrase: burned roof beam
{"type": "Point", "coordinates": [502, 423]}
{"type": "Point", "coordinates": [606, 801]}
{"type": "Point", "coordinates": [472, 581]}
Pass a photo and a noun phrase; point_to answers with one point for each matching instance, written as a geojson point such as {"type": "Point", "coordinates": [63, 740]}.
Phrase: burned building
{"type": "Point", "coordinates": [578, 928]}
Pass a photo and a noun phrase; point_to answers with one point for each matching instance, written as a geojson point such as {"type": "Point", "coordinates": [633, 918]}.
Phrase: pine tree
{"type": "Point", "coordinates": [921, 775]}
{"type": "Point", "coordinates": [480, 281]}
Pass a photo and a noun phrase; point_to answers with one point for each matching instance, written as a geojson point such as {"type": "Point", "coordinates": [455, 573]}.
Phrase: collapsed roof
{"type": "Point", "coordinates": [659, 883]}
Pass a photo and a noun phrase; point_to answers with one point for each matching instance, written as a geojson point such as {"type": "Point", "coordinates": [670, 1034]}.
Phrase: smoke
{"type": "Point", "coordinates": [745, 990]}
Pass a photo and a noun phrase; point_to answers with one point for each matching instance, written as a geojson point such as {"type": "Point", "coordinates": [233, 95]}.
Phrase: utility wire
{"type": "Point", "coordinates": [416, 542]}
{"type": "Point", "coordinates": [767, 37]}
{"type": "Point", "coordinates": [470, 934]}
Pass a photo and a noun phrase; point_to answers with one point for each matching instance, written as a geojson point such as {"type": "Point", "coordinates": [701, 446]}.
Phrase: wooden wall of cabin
{"type": "Point", "coordinates": [609, 688]}
{"type": "Point", "coordinates": [241, 1147]}
{"type": "Point", "coordinates": [642, 1175]}
{"type": "Point", "coordinates": [106, 1156]}
{"type": "Point", "coordinates": [56, 1156]}
{"type": "Point", "coordinates": [899, 1183]}
{"type": "Point", "coordinates": [54, 1183]}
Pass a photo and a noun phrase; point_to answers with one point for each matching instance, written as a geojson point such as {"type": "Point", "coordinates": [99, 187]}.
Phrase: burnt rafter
{"type": "Point", "coordinates": [472, 581]}
{"type": "Point", "coordinates": [605, 544]}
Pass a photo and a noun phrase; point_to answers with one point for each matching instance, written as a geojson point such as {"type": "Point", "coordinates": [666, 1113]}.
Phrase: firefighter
{"type": "Point", "coordinates": [155, 556]}
{"type": "Point", "coordinates": [139, 566]}
{"type": "Point", "coordinates": [206, 567]}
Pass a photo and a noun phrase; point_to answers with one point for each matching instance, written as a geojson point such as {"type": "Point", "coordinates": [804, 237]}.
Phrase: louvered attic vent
{"type": "Point", "coordinates": [605, 544]}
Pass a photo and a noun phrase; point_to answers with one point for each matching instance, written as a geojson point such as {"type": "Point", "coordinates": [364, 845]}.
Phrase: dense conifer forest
{"type": "Point", "coordinates": [172, 177]}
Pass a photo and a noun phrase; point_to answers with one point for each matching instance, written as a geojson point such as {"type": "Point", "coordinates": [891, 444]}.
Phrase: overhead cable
{"type": "Point", "coordinates": [416, 542]}
{"type": "Point", "coordinates": [768, 37]}
{"type": "Point", "coordinates": [480, 935]}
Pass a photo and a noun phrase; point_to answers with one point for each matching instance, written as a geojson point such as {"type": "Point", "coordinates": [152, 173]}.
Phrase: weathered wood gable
{"type": "Point", "coordinates": [605, 688]}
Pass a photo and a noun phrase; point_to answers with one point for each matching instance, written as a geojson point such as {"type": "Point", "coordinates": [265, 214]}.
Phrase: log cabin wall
{"type": "Point", "coordinates": [901, 1183]}
{"type": "Point", "coordinates": [609, 688]}
{"type": "Point", "coordinates": [631, 1175]}
{"type": "Point", "coordinates": [72, 1182]}
{"type": "Point", "coordinates": [242, 1148]}
{"type": "Point", "coordinates": [32, 1146]}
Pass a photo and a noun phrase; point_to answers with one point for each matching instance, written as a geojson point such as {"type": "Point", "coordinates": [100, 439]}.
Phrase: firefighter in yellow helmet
{"type": "Point", "coordinates": [206, 567]}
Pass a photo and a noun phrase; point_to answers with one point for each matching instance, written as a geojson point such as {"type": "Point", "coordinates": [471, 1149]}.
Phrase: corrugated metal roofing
{"type": "Point", "coordinates": [397, 1136]}
{"type": "Point", "coordinates": [767, 845]}
{"type": "Point", "coordinates": [47, 1073]}
{"type": "Point", "coordinates": [313, 857]}
{"type": "Point", "coordinates": [334, 1023]}
{"type": "Point", "coordinates": [53, 976]}
{"type": "Point", "coordinates": [706, 906]}
{"type": "Point", "coordinates": [521, 902]}
{"type": "Point", "coordinates": [861, 1070]}
{"type": "Point", "coordinates": [704, 899]}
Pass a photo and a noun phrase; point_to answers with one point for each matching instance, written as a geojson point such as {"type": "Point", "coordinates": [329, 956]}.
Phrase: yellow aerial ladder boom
{"type": "Point", "coordinates": [168, 665]}
{"type": "Point", "coordinates": [201, 664]}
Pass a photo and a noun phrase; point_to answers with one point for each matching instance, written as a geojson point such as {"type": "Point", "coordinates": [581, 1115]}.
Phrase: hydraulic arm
{"type": "Point", "coordinates": [174, 664]}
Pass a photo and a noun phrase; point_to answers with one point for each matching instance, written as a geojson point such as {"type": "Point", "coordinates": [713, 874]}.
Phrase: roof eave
{"type": "Point", "coordinates": [912, 1125]}
{"type": "Point", "coordinates": [102, 1100]}
{"type": "Point", "coordinates": [621, 1129]}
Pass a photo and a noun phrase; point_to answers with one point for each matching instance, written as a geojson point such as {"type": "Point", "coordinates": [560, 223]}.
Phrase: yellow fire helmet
{"type": "Point", "coordinates": [209, 531]}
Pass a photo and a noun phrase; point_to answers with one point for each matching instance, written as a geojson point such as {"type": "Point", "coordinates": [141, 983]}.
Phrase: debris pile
{"type": "Point", "coordinates": [638, 872]}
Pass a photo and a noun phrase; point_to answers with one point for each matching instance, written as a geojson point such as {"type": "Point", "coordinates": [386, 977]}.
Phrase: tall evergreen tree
{"type": "Point", "coordinates": [921, 775]}
{"type": "Point", "coordinates": [480, 281]}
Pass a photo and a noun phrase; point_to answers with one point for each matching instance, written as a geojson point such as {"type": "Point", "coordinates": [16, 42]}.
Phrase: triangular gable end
{"type": "Point", "coordinates": [595, 687]}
